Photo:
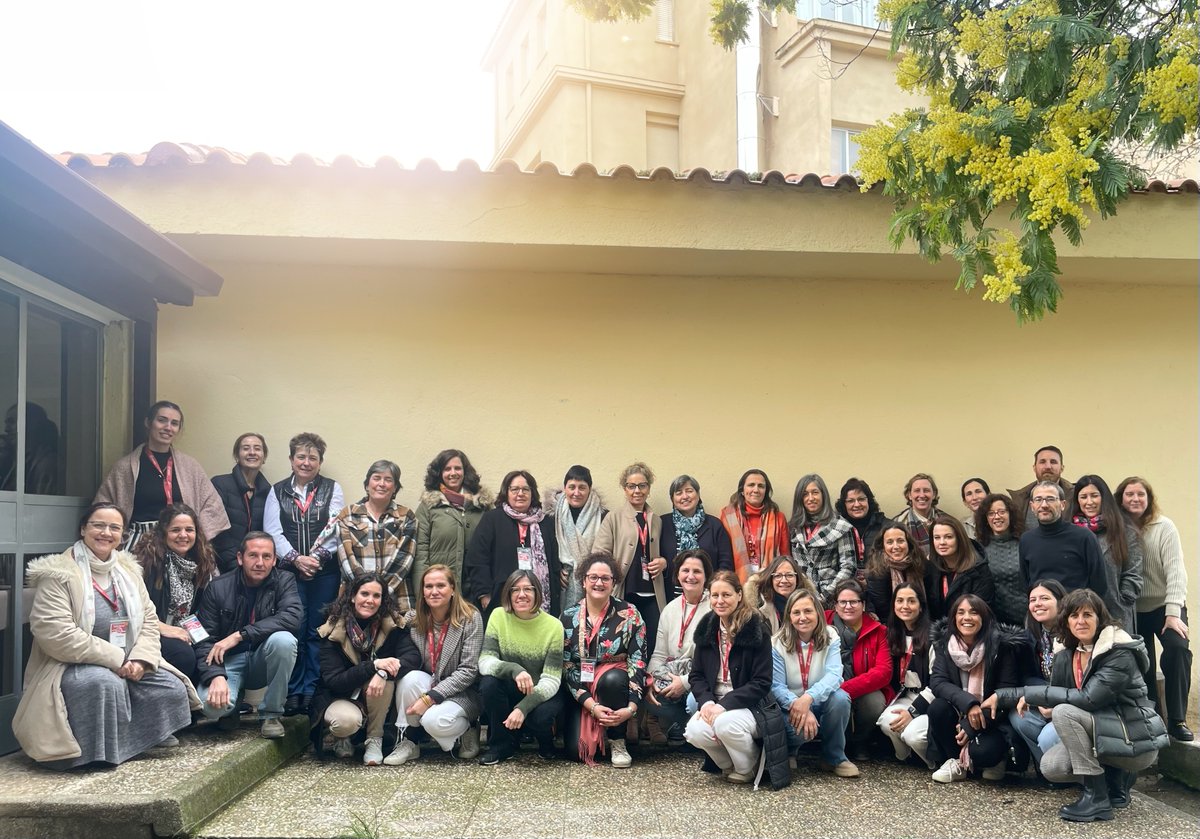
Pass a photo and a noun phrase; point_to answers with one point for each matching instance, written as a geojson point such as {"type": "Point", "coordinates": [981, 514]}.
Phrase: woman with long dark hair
{"type": "Point", "coordinates": [896, 559]}
{"type": "Point", "coordinates": [451, 506]}
{"type": "Point", "coordinates": [177, 563]}
{"type": "Point", "coordinates": [956, 567]}
{"type": "Point", "coordinates": [1041, 624]}
{"type": "Point", "coordinates": [757, 528]}
{"type": "Point", "coordinates": [904, 721]}
{"type": "Point", "coordinates": [856, 504]}
{"type": "Point", "coordinates": [822, 541]}
{"type": "Point", "coordinates": [998, 526]}
{"type": "Point", "coordinates": [1095, 508]}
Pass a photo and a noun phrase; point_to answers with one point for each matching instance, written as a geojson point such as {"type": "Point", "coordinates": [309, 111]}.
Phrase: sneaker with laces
{"type": "Point", "coordinates": [373, 754]}
{"type": "Point", "coordinates": [845, 769]}
{"type": "Point", "coordinates": [342, 747]}
{"type": "Point", "coordinates": [949, 772]}
{"type": "Point", "coordinates": [620, 754]}
{"type": "Point", "coordinates": [272, 728]}
{"type": "Point", "coordinates": [405, 751]}
{"type": "Point", "coordinates": [995, 773]}
{"type": "Point", "coordinates": [468, 744]}
{"type": "Point", "coordinates": [738, 777]}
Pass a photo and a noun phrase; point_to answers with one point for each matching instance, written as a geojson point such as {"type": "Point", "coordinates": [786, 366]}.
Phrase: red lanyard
{"type": "Point", "coordinates": [905, 659]}
{"type": "Point", "coordinates": [167, 474]}
{"type": "Point", "coordinates": [589, 637]}
{"type": "Point", "coordinates": [810, 532]}
{"type": "Point", "coordinates": [435, 652]}
{"type": "Point", "coordinates": [726, 648]}
{"type": "Point", "coordinates": [114, 601]}
{"type": "Point", "coordinates": [1077, 664]}
{"type": "Point", "coordinates": [303, 508]}
{"type": "Point", "coordinates": [522, 532]}
{"type": "Point", "coordinates": [687, 621]}
{"type": "Point", "coordinates": [946, 585]}
{"type": "Point", "coordinates": [859, 549]}
{"type": "Point", "coordinates": [644, 536]}
{"type": "Point", "coordinates": [805, 664]}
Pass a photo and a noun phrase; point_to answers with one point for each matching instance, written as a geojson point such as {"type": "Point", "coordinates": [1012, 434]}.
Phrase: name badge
{"type": "Point", "coordinates": [645, 570]}
{"type": "Point", "coordinates": [117, 633]}
{"type": "Point", "coordinates": [587, 670]}
{"type": "Point", "coordinates": [753, 567]}
{"type": "Point", "coordinates": [525, 559]}
{"type": "Point", "coordinates": [194, 628]}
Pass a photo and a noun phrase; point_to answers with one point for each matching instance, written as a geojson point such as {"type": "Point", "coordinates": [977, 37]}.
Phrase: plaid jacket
{"type": "Point", "coordinates": [362, 544]}
{"type": "Point", "coordinates": [826, 554]}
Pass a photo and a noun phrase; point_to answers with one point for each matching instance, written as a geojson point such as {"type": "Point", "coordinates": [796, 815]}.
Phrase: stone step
{"type": "Point", "coordinates": [147, 797]}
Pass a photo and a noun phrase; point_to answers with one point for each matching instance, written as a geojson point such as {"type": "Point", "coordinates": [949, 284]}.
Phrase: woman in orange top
{"type": "Point", "coordinates": [756, 526]}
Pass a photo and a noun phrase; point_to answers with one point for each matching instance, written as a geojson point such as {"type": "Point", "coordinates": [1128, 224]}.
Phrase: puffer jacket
{"type": "Point", "coordinates": [1113, 691]}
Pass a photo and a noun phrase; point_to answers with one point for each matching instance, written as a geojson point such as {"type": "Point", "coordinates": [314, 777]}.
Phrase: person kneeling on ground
{"type": "Point", "coordinates": [439, 695]}
{"type": "Point", "coordinates": [1106, 723]}
{"type": "Point", "coordinates": [364, 650]}
{"type": "Point", "coordinates": [251, 616]}
{"type": "Point", "coordinates": [521, 668]}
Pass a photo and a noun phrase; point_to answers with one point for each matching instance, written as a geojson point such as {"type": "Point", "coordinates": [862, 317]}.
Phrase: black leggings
{"type": "Point", "coordinates": [612, 691]}
{"type": "Point", "coordinates": [987, 747]}
{"type": "Point", "coordinates": [500, 696]}
{"type": "Point", "coordinates": [179, 654]}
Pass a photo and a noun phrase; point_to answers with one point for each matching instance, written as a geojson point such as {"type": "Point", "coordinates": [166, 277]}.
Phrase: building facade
{"type": "Point", "coordinates": [659, 92]}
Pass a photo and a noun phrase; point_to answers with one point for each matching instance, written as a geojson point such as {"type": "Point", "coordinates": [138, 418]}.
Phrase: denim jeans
{"type": "Point", "coordinates": [833, 715]}
{"type": "Point", "coordinates": [315, 594]}
{"type": "Point", "coordinates": [267, 666]}
{"type": "Point", "coordinates": [1036, 731]}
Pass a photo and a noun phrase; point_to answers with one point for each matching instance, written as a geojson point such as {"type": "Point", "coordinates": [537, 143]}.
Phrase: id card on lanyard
{"type": "Point", "coordinates": [524, 553]}
{"type": "Point", "coordinates": [644, 539]}
{"type": "Point", "coordinates": [587, 661]}
{"type": "Point", "coordinates": [805, 662]}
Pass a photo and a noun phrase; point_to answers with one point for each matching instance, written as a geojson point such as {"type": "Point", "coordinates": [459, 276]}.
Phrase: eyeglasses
{"type": "Point", "coordinates": [642, 487]}
{"type": "Point", "coordinates": [998, 514]}
{"type": "Point", "coordinates": [105, 527]}
{"type": "Point", "coordinates": [848, 604]}
{"type": "Point", "coordinates": [784, 575]}
{"type": "Point", "coordinates": [598, 578]}
{"type": "Point", "coordinates": [522, 590]}
{"type": "Point", "coordinates": [1038, 502]}
{"type": "Point", "coordinates": [518, 490]}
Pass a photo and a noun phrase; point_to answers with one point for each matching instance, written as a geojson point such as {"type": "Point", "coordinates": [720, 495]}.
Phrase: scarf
{"type": "Point", "coordinates": [576, 531]}
{"type": "Point", "coordinates": [454, 499]}
{"type": "Point", "coordinates": [180, 573]}
{"type": "Point", "coordinates": [769, 525]}
{"type": "Point", "coordinates": [848, 637]}
{"type": "Point", "coordinates": [687, 528]}
{"type": "Point", "coordinates": [1046, 653]}
{"type": "Point", "coordinates": [899, 569]}
{"type": "Point", "coordinates": [1092, 523]}
{"type": "Point", "coordinates": [972, 664]}
{"type": "Point", "coordinates": [361, 638]}
{"type": "Point", "coordinates": [127, 588]}
{"type": "Point", "coordinates": [541, 566]}
{"type": "Point", "coordinates": [591, 735]}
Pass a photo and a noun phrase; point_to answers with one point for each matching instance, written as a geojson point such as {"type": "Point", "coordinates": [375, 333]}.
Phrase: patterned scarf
{"type": "Point", "coordinates": [576, 535]}
{"type": "Point", "coordinates": [181, 586]}
{"type": "Point", "coordinates": [541, 566]}
{"type": "Point", "coordinates": [361, 638]}
{"type": "Point", "coordinates": [1046, 653]}
{"type": "Point", "coordinates": [687, 527]}
{"type": "Point", "coordinates": [972, 664]}
{"type": "Point", "coordinates": [899, 569]}
{"type": "Point", "coordinates": [1092, 523]}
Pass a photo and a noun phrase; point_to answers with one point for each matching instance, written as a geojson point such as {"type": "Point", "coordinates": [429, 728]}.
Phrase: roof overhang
{"type": "Point", "coordinates": [56, 224]}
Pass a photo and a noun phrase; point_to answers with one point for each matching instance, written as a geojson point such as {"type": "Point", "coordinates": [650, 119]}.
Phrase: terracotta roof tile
{"type": "Point", "coordinates": [189, 154]}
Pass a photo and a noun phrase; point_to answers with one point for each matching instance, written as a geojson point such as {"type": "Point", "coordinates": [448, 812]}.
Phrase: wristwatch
{"type": "Point", "coordinates": [382, 674]}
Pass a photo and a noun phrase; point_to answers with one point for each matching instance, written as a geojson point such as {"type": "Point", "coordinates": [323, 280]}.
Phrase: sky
{"type": "Point", "coordinates": [361, 77]}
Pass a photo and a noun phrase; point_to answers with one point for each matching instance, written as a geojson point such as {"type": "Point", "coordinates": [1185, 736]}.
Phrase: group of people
{"type": "Point", "coordinates": [1028, 626]}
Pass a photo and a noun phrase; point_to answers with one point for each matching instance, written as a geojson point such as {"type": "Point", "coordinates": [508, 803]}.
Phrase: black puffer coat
{"type": "Point", "coordinates": [750, 674]}
{"type": "Point", "coordinates": [1113, 691]}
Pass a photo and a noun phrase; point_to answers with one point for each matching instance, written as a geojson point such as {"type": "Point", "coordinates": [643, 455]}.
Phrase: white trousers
{"type": "Point", "coordinates": [444, 722]}
{"type": "Point", "coordinates": [729, 741]}
{"type": "Point", "coordinates": [914, 737]}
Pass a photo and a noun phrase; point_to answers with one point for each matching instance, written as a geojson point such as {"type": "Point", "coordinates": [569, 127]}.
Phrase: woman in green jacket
{"type": "Point", "coordinates": [450, 509]}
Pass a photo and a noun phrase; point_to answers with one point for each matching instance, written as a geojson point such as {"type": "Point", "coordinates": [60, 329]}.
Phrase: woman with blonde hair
{"type": "Point", "coordinates": [440, 696]}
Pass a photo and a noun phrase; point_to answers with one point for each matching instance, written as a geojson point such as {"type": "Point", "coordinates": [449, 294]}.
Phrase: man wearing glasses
{"type": "Point", "coordinates": [1057, 549]}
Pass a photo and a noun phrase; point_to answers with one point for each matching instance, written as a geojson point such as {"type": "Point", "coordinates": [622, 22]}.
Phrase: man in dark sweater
{"type": "Point", "coordinates": [1057, 549]}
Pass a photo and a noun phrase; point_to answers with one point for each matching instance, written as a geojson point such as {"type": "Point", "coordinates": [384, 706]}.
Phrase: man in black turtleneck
{"type": "Point", "coordinates": [1057, 549]}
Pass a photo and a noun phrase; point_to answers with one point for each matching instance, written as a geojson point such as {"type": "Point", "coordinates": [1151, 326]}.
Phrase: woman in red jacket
{"type": "Point", "coordinates": [866, 663]}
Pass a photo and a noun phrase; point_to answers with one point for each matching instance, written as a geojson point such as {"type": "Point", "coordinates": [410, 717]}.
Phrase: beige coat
{"type": "Point", "coordinates": [618, 535]}
{"type": "Point", "coordinates": [41, 724]}
{"type": "Point", "coordinates": [195, 488]}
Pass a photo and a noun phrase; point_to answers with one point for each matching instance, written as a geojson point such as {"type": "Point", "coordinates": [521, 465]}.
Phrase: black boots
{"type": "Point", "coordinates": [1119, 783]}
{"type": "Point", "coordinates": [1093, 804]}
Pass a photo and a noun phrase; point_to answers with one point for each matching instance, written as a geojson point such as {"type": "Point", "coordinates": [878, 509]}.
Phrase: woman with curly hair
{"type": "Point", "coordinates": [998, 527]}
{"type": "Point", "coordinates": [177, 563]}
{"type": "Point", "coordinates": [365, 650]}
{"type": "Point", "coordinates": [449, 511]}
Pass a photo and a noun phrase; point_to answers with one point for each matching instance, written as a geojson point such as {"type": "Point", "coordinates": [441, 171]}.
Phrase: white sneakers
{"type": "Point", "coordinates": [405, 751]}
{"type": "Point", "coordinates": [373, 754]}
{"type": "Point", "coordinates": [468, 744]}
{"type": "Point", "coordinates": [950, 772]}
{"type": "Point", "coordinates": [620, 754]}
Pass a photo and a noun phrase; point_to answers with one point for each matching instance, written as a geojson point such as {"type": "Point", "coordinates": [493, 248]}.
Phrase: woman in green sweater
{"type": "Point", "coordinates": [520, 670]}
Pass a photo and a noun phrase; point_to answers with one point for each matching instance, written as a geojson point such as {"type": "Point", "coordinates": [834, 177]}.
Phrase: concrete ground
{"type": "Point", "coordinates": [663, 795]}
